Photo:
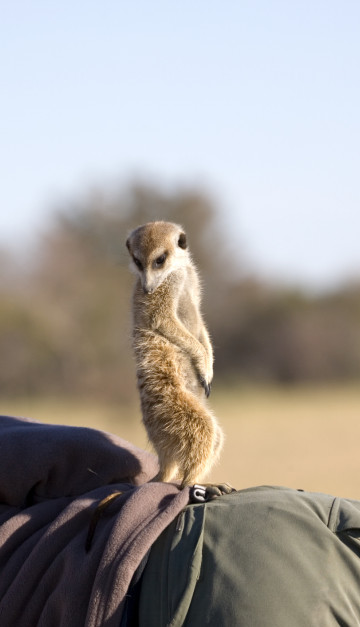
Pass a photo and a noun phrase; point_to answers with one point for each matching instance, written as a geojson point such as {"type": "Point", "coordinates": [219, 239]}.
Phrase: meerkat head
{"type": "Point", "coordinates": [156, 250]}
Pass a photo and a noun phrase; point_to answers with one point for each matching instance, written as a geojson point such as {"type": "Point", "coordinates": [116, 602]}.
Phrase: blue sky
{"type": "Point", "coordinates": [257, 100]}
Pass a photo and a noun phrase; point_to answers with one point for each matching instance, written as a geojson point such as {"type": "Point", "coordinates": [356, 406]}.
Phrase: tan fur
{"type": "Point", "coordinates": [173, 354]}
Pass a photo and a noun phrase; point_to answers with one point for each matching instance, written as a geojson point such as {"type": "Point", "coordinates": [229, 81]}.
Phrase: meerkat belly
{"type": "Point", "coordinates": [162, 364]}
{"type": "Point", "coordinates": [188, 314]}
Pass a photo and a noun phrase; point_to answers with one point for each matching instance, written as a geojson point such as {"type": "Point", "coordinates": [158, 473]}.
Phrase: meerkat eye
{"type": "Point", "coordinates": [138, 263]}
{"type": "Point", "coordinates": [160, 260]}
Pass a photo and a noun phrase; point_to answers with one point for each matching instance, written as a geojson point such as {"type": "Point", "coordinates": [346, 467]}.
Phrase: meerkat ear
{"type": "Point", "coordinates": [128, 243]}
{"type": "Point", "coordinates": [182, 241]}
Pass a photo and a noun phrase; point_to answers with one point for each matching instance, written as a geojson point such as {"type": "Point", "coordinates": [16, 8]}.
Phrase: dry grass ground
{"type": "Point", "coordinates": [299, 437]}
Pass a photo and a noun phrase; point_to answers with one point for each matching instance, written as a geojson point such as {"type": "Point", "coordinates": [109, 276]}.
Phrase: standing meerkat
{"type": "Point", "coordinates": [173, 352]}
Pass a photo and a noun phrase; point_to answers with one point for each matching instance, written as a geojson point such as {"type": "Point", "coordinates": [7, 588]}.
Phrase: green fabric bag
{"type": "Point", "coordinates": [262, 557]}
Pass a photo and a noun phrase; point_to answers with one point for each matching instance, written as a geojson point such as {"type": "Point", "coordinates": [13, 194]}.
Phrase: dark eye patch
{"type": "Point", "coordinates": [138, 263]}
{"type": "Point", "coordinates": [160, 260]}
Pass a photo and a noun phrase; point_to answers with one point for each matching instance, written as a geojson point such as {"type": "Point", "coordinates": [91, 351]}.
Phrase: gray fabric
{"type": "Point", "coordinates": [262, 557]}
{"type": "Point", "coordinates": [51, 481]}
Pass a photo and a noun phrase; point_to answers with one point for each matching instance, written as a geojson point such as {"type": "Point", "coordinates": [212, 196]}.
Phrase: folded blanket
{"type": "Point", "coordinates": [52, 479]}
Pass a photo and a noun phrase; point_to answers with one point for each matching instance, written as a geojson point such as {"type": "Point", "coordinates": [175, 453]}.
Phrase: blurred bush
{"type": "Point", "coordinates": [65, 320]}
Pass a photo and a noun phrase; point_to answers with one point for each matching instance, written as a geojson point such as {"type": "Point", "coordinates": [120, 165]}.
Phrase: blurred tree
{"type": "Point", "coordinates": [72, 317]}
{"type": "Point", "coordinates": [65, 321]}
{"type": "Point", "coordinates": [288, 336]}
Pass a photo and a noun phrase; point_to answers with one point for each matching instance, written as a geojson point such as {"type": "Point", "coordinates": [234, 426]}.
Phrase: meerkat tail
{"type": "Point", "coordinates": [183, 431]}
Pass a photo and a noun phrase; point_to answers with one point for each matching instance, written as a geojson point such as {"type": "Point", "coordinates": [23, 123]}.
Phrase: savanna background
{"type": "Point", "coordinates": [242, 125]}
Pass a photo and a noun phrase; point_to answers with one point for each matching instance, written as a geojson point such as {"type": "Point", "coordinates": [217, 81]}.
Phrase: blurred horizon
{"type": "Point", "coordinates": [237, 260]}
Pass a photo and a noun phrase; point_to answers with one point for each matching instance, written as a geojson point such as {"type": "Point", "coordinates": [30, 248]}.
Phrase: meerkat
{"type": "Point", "coordinates": [173, 353]}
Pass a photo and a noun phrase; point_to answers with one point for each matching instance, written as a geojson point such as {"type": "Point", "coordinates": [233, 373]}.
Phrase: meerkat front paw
{"type": "Point", "coordinates": [206, 386]}
{"type": "Point", "coordinates": [205, 374]}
